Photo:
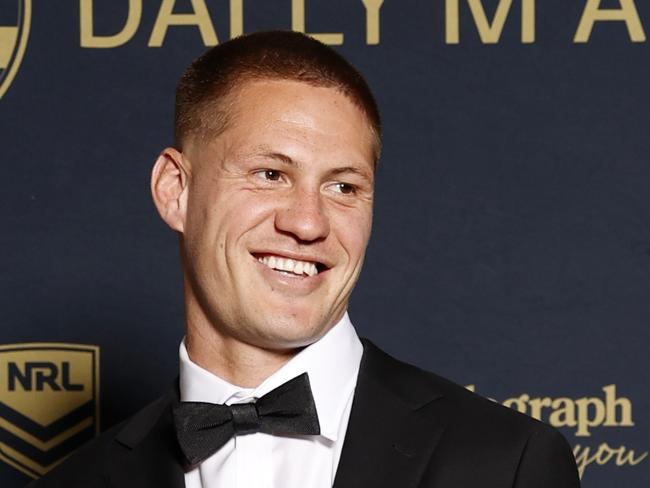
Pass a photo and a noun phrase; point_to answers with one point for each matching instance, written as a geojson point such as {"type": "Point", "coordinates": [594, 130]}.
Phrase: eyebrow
{"type": "Point", "coordinates": [353, 170]}
{"type": "Point", "coordinates": [283, 158]}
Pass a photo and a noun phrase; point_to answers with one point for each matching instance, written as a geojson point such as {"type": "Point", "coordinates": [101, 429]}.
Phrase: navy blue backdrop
{"type": "Point", "coordinates": [511, 245]}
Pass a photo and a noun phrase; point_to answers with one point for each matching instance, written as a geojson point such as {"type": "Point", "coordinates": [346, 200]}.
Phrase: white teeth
{"type": "Point", "coordinates": [290, 265]}
{"type": "Point", "coordinates": [310, 269]}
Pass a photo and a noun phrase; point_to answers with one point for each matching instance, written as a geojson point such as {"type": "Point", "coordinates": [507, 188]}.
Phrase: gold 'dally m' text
{"type": "Point", "coordinates": [13, 38]}
{"type": "Point", "coordinates": [489, 29]}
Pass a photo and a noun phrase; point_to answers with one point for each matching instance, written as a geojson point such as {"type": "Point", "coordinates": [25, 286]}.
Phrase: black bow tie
{"type": "Point", "coordinates": [202, 428]}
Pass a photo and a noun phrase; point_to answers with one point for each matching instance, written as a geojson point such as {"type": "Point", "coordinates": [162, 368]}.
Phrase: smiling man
{"type": "Point", "coordinates": [270, 189]}
{"type": "Point", "coordinates": [275, 215]}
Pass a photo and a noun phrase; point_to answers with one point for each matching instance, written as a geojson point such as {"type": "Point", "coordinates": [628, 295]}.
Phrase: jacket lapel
{"type": "Point", "coordinates": [396, 421]}
{"type": "Point", "coordinates": [145, 452]}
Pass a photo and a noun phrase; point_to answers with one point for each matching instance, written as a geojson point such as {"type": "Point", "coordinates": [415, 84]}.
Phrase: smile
{"type": "Point", "coordinates": [290, 266]}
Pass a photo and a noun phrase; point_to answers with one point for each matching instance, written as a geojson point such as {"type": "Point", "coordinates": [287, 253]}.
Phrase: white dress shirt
{"type": "Point", "coordinates": [266, 461]}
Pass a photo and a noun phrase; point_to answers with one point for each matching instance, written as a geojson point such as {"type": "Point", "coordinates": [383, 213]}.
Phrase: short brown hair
{"type": "Point", "coordinates": [283, 55]}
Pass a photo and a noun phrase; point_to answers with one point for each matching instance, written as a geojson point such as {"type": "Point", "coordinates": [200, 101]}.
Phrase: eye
{"type": "Point", "coordinates": [269, 174]}
{"type": "Point", "coordinates": [344, 188]}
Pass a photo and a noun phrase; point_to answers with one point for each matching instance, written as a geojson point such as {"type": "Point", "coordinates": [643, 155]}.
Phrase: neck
{"type": "Point", "coordinates": [235, 361]}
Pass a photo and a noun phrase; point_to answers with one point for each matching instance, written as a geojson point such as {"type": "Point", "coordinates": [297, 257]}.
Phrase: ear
{"type": "Point", "coordinates": [169, 187]}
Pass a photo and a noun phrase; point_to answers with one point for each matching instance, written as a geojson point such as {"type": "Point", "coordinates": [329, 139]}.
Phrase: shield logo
{"type": "Point", "coordinates": [49, 403]}
{"type": "Point", "coordinates": [15, 19]}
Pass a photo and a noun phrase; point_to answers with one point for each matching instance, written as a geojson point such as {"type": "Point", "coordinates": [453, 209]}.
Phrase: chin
{"type": "Point", "coordinates": [291, 331]}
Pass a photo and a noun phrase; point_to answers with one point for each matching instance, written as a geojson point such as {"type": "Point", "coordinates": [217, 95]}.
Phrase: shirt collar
{"type": "Point", "coordinates": [331, 362]}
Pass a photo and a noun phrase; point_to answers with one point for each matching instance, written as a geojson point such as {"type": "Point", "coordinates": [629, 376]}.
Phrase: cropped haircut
{"type": "Point", "coordinates": [202, 92]}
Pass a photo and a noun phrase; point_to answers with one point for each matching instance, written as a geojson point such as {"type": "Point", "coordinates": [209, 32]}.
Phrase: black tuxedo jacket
{"type": "Point", "coordinates": [408, 428]}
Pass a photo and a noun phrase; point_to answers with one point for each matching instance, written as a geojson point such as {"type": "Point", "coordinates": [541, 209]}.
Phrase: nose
{"type": "Point", "coordinates": [302, 215]}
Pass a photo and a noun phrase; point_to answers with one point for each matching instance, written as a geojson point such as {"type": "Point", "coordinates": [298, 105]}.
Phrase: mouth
{"type": "Point", "coordinates": [291, 266]}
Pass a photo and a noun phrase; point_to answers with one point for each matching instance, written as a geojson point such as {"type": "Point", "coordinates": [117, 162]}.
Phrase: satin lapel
{"type": "Point", "coordinates": [396, 422]}
{"type": "Point", "coordinates": [146, 453]}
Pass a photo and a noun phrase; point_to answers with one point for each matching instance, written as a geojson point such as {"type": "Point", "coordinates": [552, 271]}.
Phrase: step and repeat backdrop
{"type": "Point", "coordinates": [511, 244]}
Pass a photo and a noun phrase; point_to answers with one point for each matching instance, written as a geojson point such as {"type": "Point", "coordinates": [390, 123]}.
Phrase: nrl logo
{"type": "Point", "coordinates": [49, 403]}
{"type": "Point", "coordinates": [15, 18]}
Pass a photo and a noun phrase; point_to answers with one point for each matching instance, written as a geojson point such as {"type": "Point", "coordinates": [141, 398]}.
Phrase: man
{"type": "Point", "coordinates": [270, 189]}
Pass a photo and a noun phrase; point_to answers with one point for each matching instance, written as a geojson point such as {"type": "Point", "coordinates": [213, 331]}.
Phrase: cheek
{"type": "Point", "coordinates": [242, 214]}
{"type": "Point", "coordinates": [353, 232]}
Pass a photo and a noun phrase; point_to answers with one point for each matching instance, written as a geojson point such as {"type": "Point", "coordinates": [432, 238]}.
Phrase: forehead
{"type": "Point", "coordinates": [273, 112]}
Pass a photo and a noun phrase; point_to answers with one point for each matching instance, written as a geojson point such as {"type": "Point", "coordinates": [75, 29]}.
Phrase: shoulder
{"type": "Point", "coordinates": [88, 467]}
{"type": "Point", "coordinates": [416, 385]}
{"type": "Point", "coordinates": [487, 435]}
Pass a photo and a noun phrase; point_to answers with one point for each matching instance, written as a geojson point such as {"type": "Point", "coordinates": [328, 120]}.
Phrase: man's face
{"type": "Point", "coordinates": [279, 212]}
